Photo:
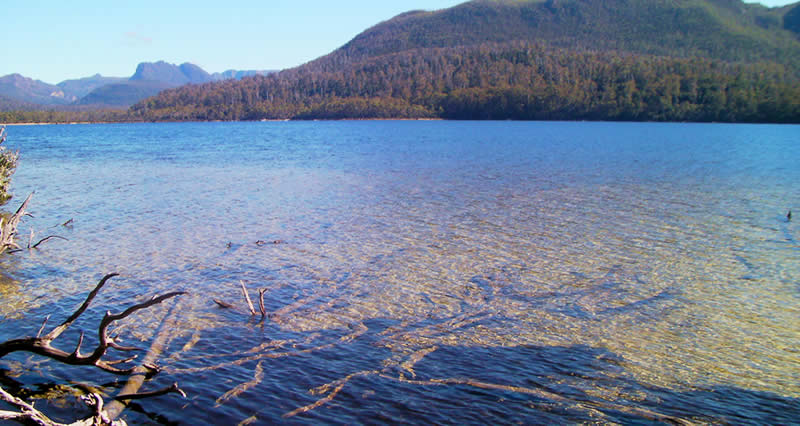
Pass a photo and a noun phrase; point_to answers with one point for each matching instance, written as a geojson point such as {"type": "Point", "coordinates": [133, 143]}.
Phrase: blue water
{"type": "Point", "coordinates": [422, 272]}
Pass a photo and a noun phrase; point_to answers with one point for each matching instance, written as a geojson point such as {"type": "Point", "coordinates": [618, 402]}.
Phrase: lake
{"type": "Point", "coordinates": [420, 272]}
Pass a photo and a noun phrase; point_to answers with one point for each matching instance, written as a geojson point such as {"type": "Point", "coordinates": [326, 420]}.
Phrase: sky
{"type": "Point", "coordinates": [56, 40]}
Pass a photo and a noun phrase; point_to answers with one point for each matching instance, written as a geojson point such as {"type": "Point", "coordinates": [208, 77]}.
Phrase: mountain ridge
{"type": "Point", "coordinates": [659, 27]}
{"type": "Point", "coordinates": [17, 91]}
{"type": "Point", "coordinates": [27, 90]}
{"type": "Point", "coordinates": [695, 60]}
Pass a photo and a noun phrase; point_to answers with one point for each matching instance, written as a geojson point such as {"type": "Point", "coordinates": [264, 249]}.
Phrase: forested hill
{"type": "Point", "coordinates": [729, 30]}
{"type": "Point", "coordinates": [677, 60]}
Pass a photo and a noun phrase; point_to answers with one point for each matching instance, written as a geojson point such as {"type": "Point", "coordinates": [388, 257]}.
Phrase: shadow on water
{"type": "Point", "coordinates": [464, 385]}
{"type": "Point", "coordinates": [595, 385]}
{"type": "Point", "coordinates": [318, 383]}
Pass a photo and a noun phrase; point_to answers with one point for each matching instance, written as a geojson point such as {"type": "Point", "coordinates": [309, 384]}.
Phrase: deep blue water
{"type": "Point", "coordinates": [426, 272]}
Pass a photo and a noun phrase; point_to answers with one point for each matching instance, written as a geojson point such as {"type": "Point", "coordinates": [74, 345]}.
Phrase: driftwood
{"type": "Point", "coordinates": [42, 345]}
{"type": "Point", "coordinates": [250, 308]}
{"type": "Point", "coordinates": [8, 231]}
{"type": "Point", "coordinates": [28, 414]}
{"type": "Point", "coordinates": [8, 228]}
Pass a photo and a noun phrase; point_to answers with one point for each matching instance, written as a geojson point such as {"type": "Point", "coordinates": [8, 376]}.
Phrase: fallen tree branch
{"type": "Point", "coordinates": [45, 239]}
{"type": "Point", "coordinates": [8, 229]}
{"type": "Point", "coordinates": [28, 414]}
{"type": "Point", "coordinates": [42, 345]}
{"type": "Point", "coordinates": [224, 305]}
{"type": "Point", "coordinates": [142, 395]}
{"type": "Point", "coordinates": [247, 298]}
{"type": "Point", "coordinates": [248, 301]}
{"type": "Point", "coordinates": [147, 367]}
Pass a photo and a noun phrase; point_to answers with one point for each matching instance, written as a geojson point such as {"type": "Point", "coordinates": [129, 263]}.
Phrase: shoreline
{"type": "Point", "coordinates": [54, 124]}
{"type": "Point", "coordinates": [385, 119]}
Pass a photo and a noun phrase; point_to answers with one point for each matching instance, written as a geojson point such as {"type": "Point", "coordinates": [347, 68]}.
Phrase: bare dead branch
{"type": "Point", "coordinates": [61, 328]}
{"type": "Point", "coordinates": [258, 377]}
{"type": "Point", "coordinates": [8, 230]}
{"type": "Point", "coordinates": [42, 345]}
{"type": "Point", "coordinates": [27, 412]}
{"type": "Point", "coordinates": [122, 361]}
{"type": "Point", "coordinates": [142, 395]}
{"type": "Point", "coordinates": [247, 298]}
{"type": "Point", "coordinates": [332, 389]}
{"type": "Point", "coordinates": [261, 302]}
{"type": "Point", "coordinates": [48, 238]}
{"type": "Point", "coordinates": [147, 367]}
{"type": "Point", "coordinates": [44, 324]}
{"type": "Point", "coordinates": [110, 318]}
{"type": "Point", "coordinates": [117, 346]}
{"type": "Point", "coordinates": [224, 305]}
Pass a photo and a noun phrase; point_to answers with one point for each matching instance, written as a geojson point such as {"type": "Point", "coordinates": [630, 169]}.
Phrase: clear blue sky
{"type": "Point", "coordinates": [55, 40]}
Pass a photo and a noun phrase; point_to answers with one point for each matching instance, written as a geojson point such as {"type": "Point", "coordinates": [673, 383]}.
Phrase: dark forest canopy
{"type": "Point", "coordinates": [508, 81]}
{"type": "Point", "coordinates": [659, 60]}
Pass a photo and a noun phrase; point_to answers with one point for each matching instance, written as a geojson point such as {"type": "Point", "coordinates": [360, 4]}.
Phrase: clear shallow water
{"type": "Point", "coordinates": [425, 271]}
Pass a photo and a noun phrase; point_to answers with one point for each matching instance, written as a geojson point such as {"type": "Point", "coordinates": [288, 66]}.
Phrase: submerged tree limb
{"type": "Point", "coordinates": [28, 414]}
{"type": "Point", "coordinates": [143, 371]}
{"type": "Point", "coordinates": [45, 239]}
{"type": "Point", "coordinates": [258, 377]}
{"type": "Point", "coordinates": [43, 345]}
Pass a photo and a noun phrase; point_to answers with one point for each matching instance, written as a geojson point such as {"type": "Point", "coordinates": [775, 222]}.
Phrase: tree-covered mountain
{"type": "Point", "coordinates": [698, 60]}
{"type": "Point", "coordinates": [728, 30]}
{"type": "Point", "coordinates": [10, 104]}
{"type": "Point", "coordinates": [791, 18]}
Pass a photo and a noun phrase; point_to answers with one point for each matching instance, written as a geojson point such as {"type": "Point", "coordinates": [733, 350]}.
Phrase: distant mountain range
{"type": "Point", "coordinates": [19, 92]}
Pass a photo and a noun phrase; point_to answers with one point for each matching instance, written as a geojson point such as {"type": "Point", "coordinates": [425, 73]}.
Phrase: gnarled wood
{"type": "Point", "coordinates": [8, 229]}
{"type": "Point", "coordinates": [42, 345]}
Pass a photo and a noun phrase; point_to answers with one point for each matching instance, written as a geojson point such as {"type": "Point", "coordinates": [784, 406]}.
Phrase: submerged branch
{"type": "Point", "coordinates": [48, 238]}
{"type": "Point", "coordinates": [247, 298]}
{"type": "Point", "coordinates": [142, 395]}
{"type": "Point", "coordinates": [258, 377]}
{"type": "Point", "coordinates": [43, 345]}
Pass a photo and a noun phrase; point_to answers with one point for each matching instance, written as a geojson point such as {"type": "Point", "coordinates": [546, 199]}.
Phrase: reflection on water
{"type": "Point", "coordinates": [432, 272]}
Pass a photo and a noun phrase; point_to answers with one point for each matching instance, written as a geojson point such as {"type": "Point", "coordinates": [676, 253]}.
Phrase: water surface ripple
{"type": "Point", "coordinates": [424, 272]}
